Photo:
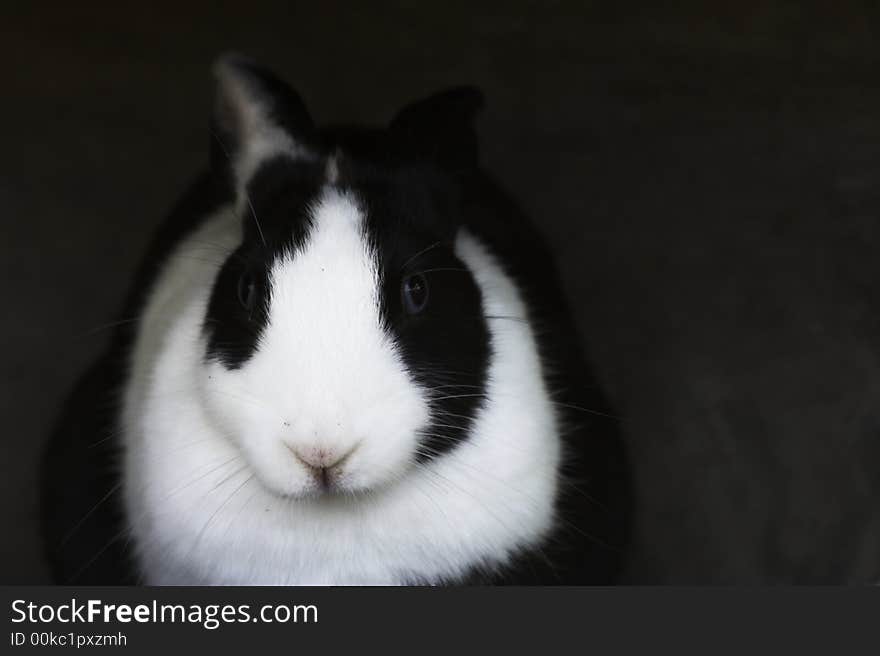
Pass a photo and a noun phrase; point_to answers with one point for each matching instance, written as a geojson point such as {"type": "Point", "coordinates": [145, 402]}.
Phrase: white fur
{"type": "Point", "coordinates": [214, 494]}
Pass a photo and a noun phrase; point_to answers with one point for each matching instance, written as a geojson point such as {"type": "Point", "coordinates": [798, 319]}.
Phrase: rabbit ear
{"type": "Point", "coordinates": [256, 116]}
{"type": "Point", "coordinates": [440, 127]}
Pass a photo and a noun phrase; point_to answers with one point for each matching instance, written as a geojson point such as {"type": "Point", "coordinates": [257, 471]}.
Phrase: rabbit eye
{"type": "Point", "coordinates": [247, 291]}
{"type": "Point", "coordinates": [414, 291]}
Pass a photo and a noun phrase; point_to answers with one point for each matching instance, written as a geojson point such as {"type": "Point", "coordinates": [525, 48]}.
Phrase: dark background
{"type": "Point", "coordinates": [708, 175]}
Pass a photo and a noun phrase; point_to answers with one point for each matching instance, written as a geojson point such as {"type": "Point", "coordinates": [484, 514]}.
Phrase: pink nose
{"type": "Point", "coordinates": [318, 458]}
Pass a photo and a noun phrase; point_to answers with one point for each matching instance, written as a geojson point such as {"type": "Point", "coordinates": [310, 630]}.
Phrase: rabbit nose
{"type": "Point", "coordinates": [322, 464]}
{"type": "Point", "coordinates": [318, 458]}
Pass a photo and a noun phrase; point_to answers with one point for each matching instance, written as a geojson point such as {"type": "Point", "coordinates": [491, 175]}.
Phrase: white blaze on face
{"type": "Point", "coordinates": [326, 381]}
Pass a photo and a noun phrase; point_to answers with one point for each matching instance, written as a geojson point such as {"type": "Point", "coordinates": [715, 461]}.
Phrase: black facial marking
{"type": "Point", "coordinates": [445, 346]}
{"type": "Point", "coordinates": [279, 195]}
{"type": "Point", "coordinates": [431, 303]}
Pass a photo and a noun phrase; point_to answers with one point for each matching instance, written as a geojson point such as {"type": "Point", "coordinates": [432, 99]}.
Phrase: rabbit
{"type": "Point", "coordinates": [345, 360]}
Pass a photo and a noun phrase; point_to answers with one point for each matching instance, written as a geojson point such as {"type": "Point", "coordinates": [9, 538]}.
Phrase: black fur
{"type": "Point", "coordinates": [417, 182]}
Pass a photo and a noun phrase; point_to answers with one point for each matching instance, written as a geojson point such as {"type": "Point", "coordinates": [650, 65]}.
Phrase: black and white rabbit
{"type": "Point", "coordinates": [351, 364]}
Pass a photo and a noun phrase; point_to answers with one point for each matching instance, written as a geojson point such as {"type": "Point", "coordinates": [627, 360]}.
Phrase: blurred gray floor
{"type": "Point", "coordinates": [710, 181]}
